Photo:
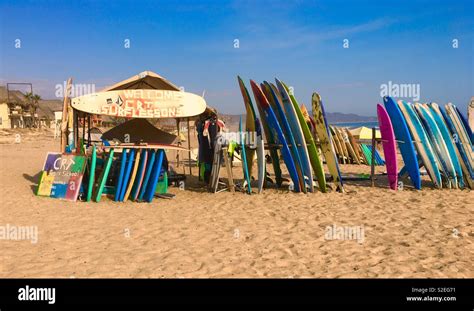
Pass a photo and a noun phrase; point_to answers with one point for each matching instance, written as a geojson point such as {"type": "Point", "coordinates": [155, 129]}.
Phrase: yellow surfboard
{"type": "Point", "coordinates": [132, 177]}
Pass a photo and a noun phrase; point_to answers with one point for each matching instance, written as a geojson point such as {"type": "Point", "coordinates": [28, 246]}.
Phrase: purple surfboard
{"type": "Point", "coordinates": [389, 146]}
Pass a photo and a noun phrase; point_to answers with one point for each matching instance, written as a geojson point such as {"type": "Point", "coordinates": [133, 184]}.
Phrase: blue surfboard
{"type": "Point", "coordinates": [150, 191]}
{"type": "Point", "coordinates": [126, 177]}
{"type": "Point", "coordinates": [438, 144]}
{"type": "Point", "coordinates": [244, 157]}
{"type": "Point", "coordinates": [404, 140]}
{"type": "Point", "coordinates": [148, 171]}
{"type": "Point", "coordinates": [140, 174]}
{"type": "Point", "coordinates": [118, 186]}
{"type": "Point", "coordinates": [465, 123]}
{"type": "Point", "coordinates": [272, 122]}
{"type": "Point", "coordinates": [448, 140]}
{"type": "Point", "coordinates": [297, 134]}
{"type": "Point", "coordinates": [422, 143]}
{"type": "Point", "coordinates": [462, 152]}
{"type": "Point", "coordinates": [290, 139]}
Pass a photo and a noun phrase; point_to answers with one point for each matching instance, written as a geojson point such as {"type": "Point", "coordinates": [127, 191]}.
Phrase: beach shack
{"type": "Point", "coordinates": [127, 163]}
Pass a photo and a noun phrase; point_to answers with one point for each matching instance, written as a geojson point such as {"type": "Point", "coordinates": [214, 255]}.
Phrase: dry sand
{"type": "Point", "coordinates": [407, 233]}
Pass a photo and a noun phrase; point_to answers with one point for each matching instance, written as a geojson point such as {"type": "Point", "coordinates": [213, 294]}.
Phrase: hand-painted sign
{"type": "Point", "coordinates": [62, 176]}
{"type": "Point", "coordinates": [141, 103]}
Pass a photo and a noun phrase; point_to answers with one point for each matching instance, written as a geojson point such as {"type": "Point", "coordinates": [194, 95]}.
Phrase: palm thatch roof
{"type": "Point", "coordinates": [16, 97]}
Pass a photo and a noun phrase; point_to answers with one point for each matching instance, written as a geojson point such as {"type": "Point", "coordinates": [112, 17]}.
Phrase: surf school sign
{"type": "Point", "coordinates": [141, 103]}
{"type": "Point", "coordinates": [61, 176]}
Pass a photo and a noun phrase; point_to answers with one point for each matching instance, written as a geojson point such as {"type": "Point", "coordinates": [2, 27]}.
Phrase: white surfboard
{"type": "Point", "coordinates": [141, 103]}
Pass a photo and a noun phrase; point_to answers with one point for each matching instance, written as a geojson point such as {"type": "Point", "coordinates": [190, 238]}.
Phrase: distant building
{"type": "Point", "coordinates": [14, 110]}
{"type": "Point", "coordinates": [50, 112]}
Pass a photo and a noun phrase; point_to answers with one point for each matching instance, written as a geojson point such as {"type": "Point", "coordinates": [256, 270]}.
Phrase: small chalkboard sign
{"type": "Point", "coordinates": [62, 176]}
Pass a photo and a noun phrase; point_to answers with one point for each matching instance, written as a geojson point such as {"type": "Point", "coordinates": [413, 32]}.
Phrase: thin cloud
{"type": "Point", "coordinates": [261, 36]}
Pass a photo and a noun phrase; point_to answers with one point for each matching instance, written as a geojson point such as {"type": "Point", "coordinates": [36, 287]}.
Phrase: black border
{"type": "Point", "coordinates": [239, 291]}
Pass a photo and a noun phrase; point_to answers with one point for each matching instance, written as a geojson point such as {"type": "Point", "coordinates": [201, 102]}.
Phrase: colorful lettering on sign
{"type": "Point", "coordinates": [140, 109]}
{"type": "Point", "coordinates": [62, 176]}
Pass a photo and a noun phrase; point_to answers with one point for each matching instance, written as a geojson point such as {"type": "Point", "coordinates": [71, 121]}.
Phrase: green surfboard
{"type": "Point", "coordinates": [314, 156]}
{"type": "Point", "coordinates": [92, 174]}
{"type": "Point", "coordinates": [104, 175]}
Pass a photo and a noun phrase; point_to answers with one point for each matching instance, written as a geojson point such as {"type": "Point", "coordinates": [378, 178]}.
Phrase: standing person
{"type": "Point", "coordinates": [207, 129]}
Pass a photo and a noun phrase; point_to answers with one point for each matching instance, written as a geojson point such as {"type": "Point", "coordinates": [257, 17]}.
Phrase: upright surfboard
{"type": "Point", "coordinates": [92, 174]}
{"type": "Point", "coordinates": [350, 149]}
{"type": "Point", "coordinates": [123, 164]}
{"type": "Point", "coordinates": [470, 114]}
{"type": "Point", "coordinates": [338, 145]}
{"type": "Point", "coordinates": [389, 146]}
{"type": "Point", "coordinates": [462, 133]}
{"type": "Point", "coordinates": [260, 156]}
{"type": "Point", "coordinates": [297, 132]}
{"type": "Point", "coordinates": [148, 171]}
{"type": "Point", "coordinates": [422, 143]}
{"type": "Point", "coordinates": [150, 191]}
{"type": "Point", "coordinates": [404, 139]}
{"type": "Point", "coordinates": [448, 140]}
{"type": "Point", "coordinates": [140, 175]}
{"type": "Point", "coordinates": [274, 126]}
{"type": "Point", "coordinates": [461, 151]}
{"type": "Point", "coordinates": [322, 130]}
{"type": "Point", "coordinates": [104, 175]}
{"type": "Point", "coordinates": [439, 146]}
{"type": "Point", "coordinates": [216, 164]}
{"type": "Point", "coordinates": [249, 129]}
{"type": "Point", "coordinates": [268, 135]}
{"type": "Point", "coordinates": [243, 156]}
{"type": "Point", "coordinates": [287, 132]}
{"type": "Point", "coordinates": [132, 175]}
{"type": "Point", "coordinates": [313, 152]}
{"type": "Point", "coordinates": [126, 176]}
{"type": "Point", "coordinates": [343, 143]}
{"type": "Point", "coordinates": [464, 121]}
{"type": "Point", "coordinates": [141, 103]}
{"type": "Point", "coordinates": [355, 146]}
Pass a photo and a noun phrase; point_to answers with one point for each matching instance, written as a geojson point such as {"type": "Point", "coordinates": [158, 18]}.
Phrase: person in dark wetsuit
{"type": "Point", "coordinates": [207, 129]}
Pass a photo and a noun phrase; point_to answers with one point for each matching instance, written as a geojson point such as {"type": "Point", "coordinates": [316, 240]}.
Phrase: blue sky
{"type": "Point", "coordinates": [191, 43]}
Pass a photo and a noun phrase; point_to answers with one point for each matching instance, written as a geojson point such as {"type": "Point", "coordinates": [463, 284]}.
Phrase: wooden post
{"type": "Point", "coordinates": [179, 143]}
{"type": "Point", "coordinates": [88, 130]}
{"type": "Point", "coordinates": [76, 125]}
{"type": "Point", "coordinates": [189, 149]}
{"type": "Point", "coordinates": [65, 115]}
{"type": "Point", "coordinates": [84, 128]}
{"type": "Point", "coordinates": [372, 164]}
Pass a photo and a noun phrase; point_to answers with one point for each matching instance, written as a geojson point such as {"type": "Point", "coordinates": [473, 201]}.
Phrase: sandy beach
{"type": "Point", "coordinates": [406, 234]}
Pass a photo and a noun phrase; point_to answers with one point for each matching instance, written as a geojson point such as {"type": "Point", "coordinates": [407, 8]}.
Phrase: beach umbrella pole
{"type": "Point", "coordinates": [189, 149]}
{"type": "Point", "coordinates": [372, 164]}
{"type": "Point", "coordinates": [179, 143]}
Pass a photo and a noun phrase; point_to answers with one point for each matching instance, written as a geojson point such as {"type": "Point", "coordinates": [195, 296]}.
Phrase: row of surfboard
{"type": "Point", "coordinates": [137, 176]}
{"type": "Point", "coordinates": [439, 140]}
{"type": "Point", "coordinates": [349, 150]}
{"type": "Point", "coordinates": [285, 126]}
